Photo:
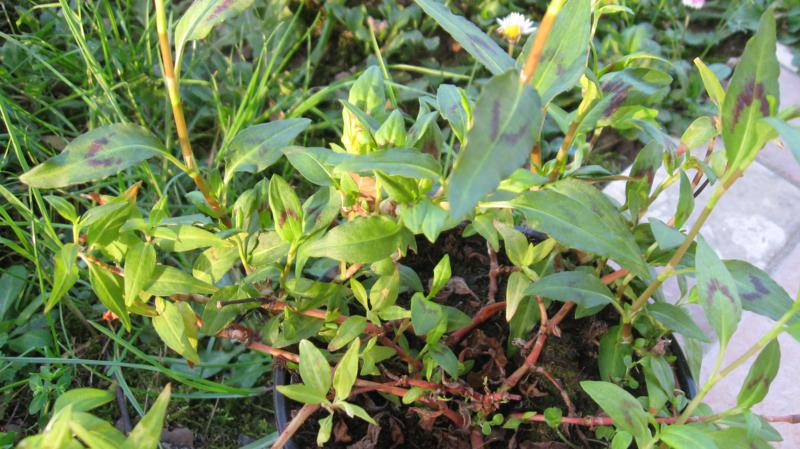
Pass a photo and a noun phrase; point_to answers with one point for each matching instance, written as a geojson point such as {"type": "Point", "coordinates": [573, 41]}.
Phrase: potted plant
{"type": "Point", "coordinates": [403, 287]}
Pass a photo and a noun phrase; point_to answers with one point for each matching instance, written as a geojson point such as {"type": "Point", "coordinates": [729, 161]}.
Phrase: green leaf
{"type": "Point", "coordinates": [140, 261]}
{"type": "Point", "coordinates": [302, 393]}
{"type": "Point", "coordinates": [361, 240]}
{"type": "Point", "coordinates": [454, 107]}
{"type": "Point", "coordinates": [577, 286]}
{"type": "Point", "coordinates": [168, 281]}
{"type": "Point", "coordinates": [147, 433]}
{"type": "Point", "coordinates": [790, 135]}
{"type": "Point", "coordinates": [677, 319]}
{"type": "Point", "coordinates": [286, 210]}
{"type": "Point", "coordinates": [427, 218]}
{"type": "Point", "coordinates": [83, 399]}
{"type": "Point", "coordinates": [95, 432]}
{"type": "Point", "coordinates": [719, 296]}
{"type": "Point", "coordinates": [202, 16]}
{"type": "Point", "coordinates": [578, 215]}
{"type": "Point", "coordinates": [185, 238]}
{"type": "Point", "coordinates": [515, 292]}
{"type": "Point", "coordinates": [65, 274]}
{"type": "Point", "coordinates": [320, 209]}
{"type": "Point", "coordinates": [699, 132]}
{"type": "Point", "coordinates": [445, 358]}
{"type": "Point", "coordinates": [217, 316]}
{"type": "Point", "coordinates": [384, 291]}
{"type": "Point", "coordinates": [475, 42]}
{"type": "Point", "coordinates": [441, 275]}
{"type": "Point", "coordinates": [314, 164]}
{"type": "Point", "coordinates": [348, 331]}
{"type": "Point", "coordinates": [516, 244]}
{"type": "Point", "coordinates": [611, 355]}
{"type": "Point", "coordinates": [758, 292]}
{"type": "Point", "coordinates": [626, 412]}
{"type": "Point", "coordinates": [212, 264]}
{"type": "Point", "coordinates": [565, 52]}
{"type": "Point", "coordinates": [170, 325]}
{"type": "Point", "coordinates": [681, 436]}
{"type": "Point", "coordinates": [325, 427]}
{"type": "Point", "coordinates": [759, 378]}
{"type": "Point", "coordinates": [257, 147]}
{"type": "Point", "coordinates": [425, 314]}
{"type": "Point", "coordinates": [353, 410]}
{"type": "Point", "coordinates": [346, 371]}
{"type": "Point", "coordinates": [392, 133]}
{"type": "Point", "coordinates": [685, 201]}
{"type": "Point", "coordinates": [643, 170]}
{"type": "Point", "coordinates": [314, 368]}
{"type": "Point", "coordinates": [64, 207]}
{"type": "Point", "coordinates": [99, 153]}
{"type": "Point", "coordinates": [109, 290]}
{"type": "Point", "coordinates": [552, 416]}
{"type": "Point", "coordinates": [508, 118]}
{"type": "Point", "coordinates": [12, 282]}
{"type": "Point", "coordinates": [711, 82]}
{"type": "Point", "coordinates": [752, 95]}
{"type": "Point", "coordinates": [406, 162]}
{"type": "Point", "coordinates": [270, 248]}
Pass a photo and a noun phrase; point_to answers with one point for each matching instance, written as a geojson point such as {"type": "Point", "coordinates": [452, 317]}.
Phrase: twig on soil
{"type": "Point", "coordinates": [305, 412]}
{"type": "Point", "coordinates": [484, 314]}
{"type": "Point", "coordinates": [557, 385]}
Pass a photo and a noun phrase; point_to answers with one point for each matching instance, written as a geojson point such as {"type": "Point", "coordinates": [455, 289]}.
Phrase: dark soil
{"type": "Point", "coordinates": [570, 358]}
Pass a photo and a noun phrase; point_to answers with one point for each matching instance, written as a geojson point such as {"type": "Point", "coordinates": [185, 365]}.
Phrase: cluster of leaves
{"type": "Point", "coordinates": [323, 251]}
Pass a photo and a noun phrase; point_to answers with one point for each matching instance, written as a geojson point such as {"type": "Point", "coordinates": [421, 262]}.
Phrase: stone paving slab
{"type": "Point", "coordinates": [758, 220]}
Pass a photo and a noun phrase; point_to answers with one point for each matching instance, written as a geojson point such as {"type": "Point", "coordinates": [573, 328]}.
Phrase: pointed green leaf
{"type": "Point", "coordinates": [140, 261]}
{"type": "Point", "coordinates": [789, 133]}
{"type": "Point", "coordinates": [202, 16]}
{"type": "Point", "coordinates": [168, 281]}
{"type": "Point", "coordinates": [577, 286]}
{"type": "Point", "coordinates": [185, 238]}
{"type": "Point", "coordinates": [682, 436]}
{"type": "Point", "coordinates": [752, 95]}
{"type": "Point", "coordinates": [109, 290]}
{"type": "Point", "coordinates": [83, 399]}
{"type": "Point", "coordinates": [314, 368]}
{"type": "Point", "coordinates": [361, 240]}
{"type": "Point", "coordinates": [454, 107]}
{"type": "Point", "coordinates": [515, 293]}
{"type": "Point", "coordinates": [507, 120]}
{"type": "Point", "coordinates": [476, 42]}
{"type": "Point", "coordinates": [441, 275]}
{"type": "Point", "coordinates": [677, 319]}
{"type": "Point", "coordinates": [445, 358]}
{"type": "Point", "coordinates": [405, 162]}
{"type": "Point", "coordinates": [719, 296]}
{"type": "Point", "coordinates": [349, 330]}
{"type": "Point", "coordinates": [711, 82]}
{"type": "Point", "coordinates": [611, 355]}
{"type": "Point", "coordinates": [758, 291]}
{"type": "Point", "coordinates": [286, 210]}
{"type": "Point", "coordinates": [257, 147]}
{"type": "Point", "coordinates": [65, 274]}
{"type": "Point", "coordinates": [425, 315]}
{"type": "Point", "coordinates": [147, 433]}
{"type": "Point", "coordinates": [626, 412]}
{"type": "Point", "coordinates": [325, 428]}
{"type": "Point", "coordinates": [302, 393]}
{"type": "Point", "coordinates": [759, 378]}
{"type": "Point", "coordinates": [346, 371]}
{"type": "Point", "coordinates": [171, 327]}
{"type": "Point", "coordinates": [578, 215]}
{"type": "Point", "coordinates": [99, 153]}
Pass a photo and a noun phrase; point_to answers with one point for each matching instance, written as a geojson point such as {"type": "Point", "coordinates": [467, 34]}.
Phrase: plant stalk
{"type": "Point", "coordinates": [171, 82]}
{"type": "Point", "coordinates": [541, 39]}
{"type": "Point", "coordinates": [294, 425]}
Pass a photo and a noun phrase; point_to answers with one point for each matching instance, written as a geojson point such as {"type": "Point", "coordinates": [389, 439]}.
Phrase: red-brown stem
{"type": "Point", "coordinates": [494, 271]}
{"type": "Point", "coordinates": [299, 419]}
{"type": "Point", "coordinates": [611, 277]}
{"type": "Point", "coordinates": [278, 306]}
{"type": "Point", "coordinates": [484, 314]}
{"type": "Point", "coordinates": [557, 385]}
{"type": "Point", "coordinates": [540, 40]}
{"type": "Point", "coordinates": [476, 439]}
{"type": "Point", "coordinates": [595, 421]}
{"type": "Point", "coordinates": [365, 386]}
{"type": "Point", "coordinates": [405, 356]}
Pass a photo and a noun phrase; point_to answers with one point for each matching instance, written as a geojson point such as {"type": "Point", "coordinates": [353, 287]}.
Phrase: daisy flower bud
{"type": "Point", "coordinates": [514, 26]}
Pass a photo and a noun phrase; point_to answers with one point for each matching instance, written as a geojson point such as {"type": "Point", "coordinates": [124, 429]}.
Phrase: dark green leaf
{"type": "Point", "coordinates": [758, 292]}
{"type": "Point", "coordinates": [217, 315]}
{"type": "Point", "coordinates": [257, 147]}
{"type": "Point", "coordinates": [685, 201]}
{"type": "Point", "coordinates": [759, 378]}
{"type": "Point", "coordinates": [314, 164]}
{"type": "Point", "coordinates": [362, 240]}
{"type": "Point", "coordinates": [611, 355]}
{"type": "Point", "coordinates": [454, 107]}
{"type": "Point", "coordinates": [507, 120]}
{"type": "Point", "coordinates": [476, 42]}
{"type": "Point", "coordinates": [579, 287]}
{"type": "Point", "coordinates": [445, 358]}
{"type": "Point", "coordinates": [425, 315]}
{"type": "Point", "coordinates": [578, 215]}
{"type": "Point", "coordinates": [752, 95]}
{"type": "Point", "coordinates": [171, 325]}
{"type": "Point", "coordinates": [99, 153]}
{"type": "Point", "coordinates": [565, 52]}
{"type": "Point", "coordinates": [719, 296]}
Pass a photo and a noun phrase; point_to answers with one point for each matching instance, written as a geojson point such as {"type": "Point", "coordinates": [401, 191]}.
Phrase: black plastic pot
{"type": "Point", "coordinates": [283, 405]}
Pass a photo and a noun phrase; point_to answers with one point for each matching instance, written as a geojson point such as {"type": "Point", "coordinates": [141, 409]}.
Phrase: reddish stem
{"type": "Point", "coordinates": [483, 315]}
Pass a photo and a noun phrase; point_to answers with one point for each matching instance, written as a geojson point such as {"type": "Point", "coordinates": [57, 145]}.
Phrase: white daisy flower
{"type": "Point", "coordinates": [695, 4]}
{"type": "Point", "coordinates": [514, 26]}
